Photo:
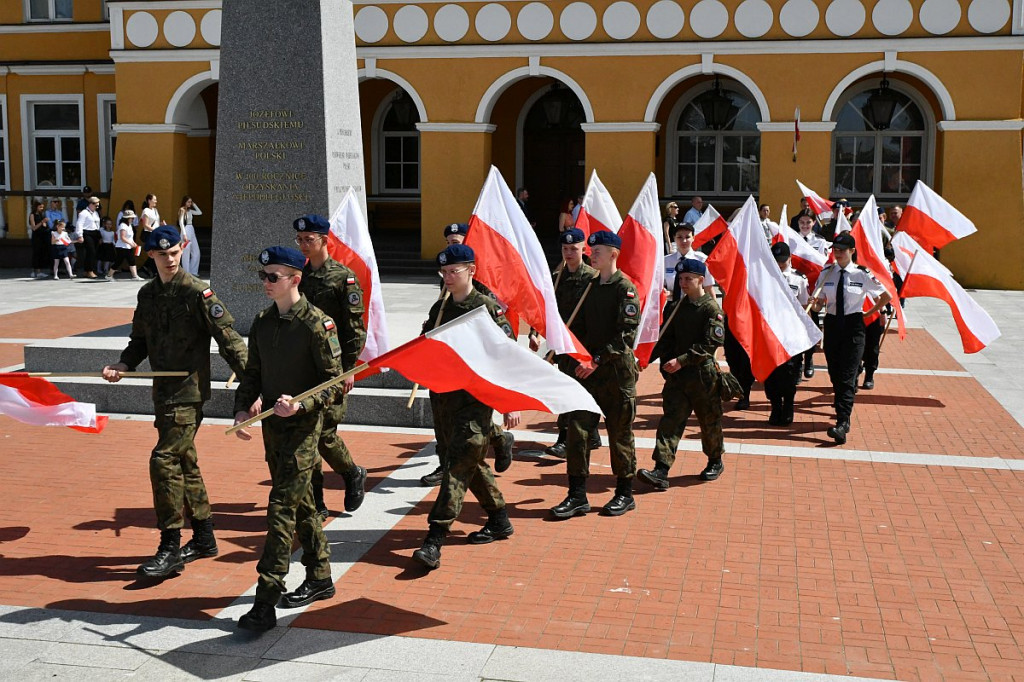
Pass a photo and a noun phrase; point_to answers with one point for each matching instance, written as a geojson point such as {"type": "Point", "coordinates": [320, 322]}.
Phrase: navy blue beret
{"type": "Point", "coordinates": [312, 222]}
{"type": "Point", "coordinates": [691, 265]}
{"type": "Point", "coordinates": [604, 238]}
{"type": "Point", "coordinates": [781, 251]}
{"type": "Point", "coordinates": [573, 235]}
{"type": "Point", "coordinates": [456, 228]}
{"type": "Point", "coordinates": [162, 238]}
{"type": "Point", "coordinates": [844, 240]}
{"type": "Point", "coordinates": [282, 255]}
{"type": "Point", "coordinates": [456, 253]}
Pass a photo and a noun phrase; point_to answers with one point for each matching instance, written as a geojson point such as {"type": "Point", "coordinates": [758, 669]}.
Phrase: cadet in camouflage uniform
{"type": "Point", "coordinates": [501, 441]}
{"type": "Point", "coordinates": [570, 283]}
{"type": "Point", "coordinates": [686, 350]}
{"type": "Point", "coordinates": [176, 316]}
{"type": "Point", "coordinates": [606, 325]}
{"type": "Point", "coordinates": [293, 347]}
{"type": "Point", "coordinates": [334, 289]}
{"type": "Point", "coordinates": [464, 423]}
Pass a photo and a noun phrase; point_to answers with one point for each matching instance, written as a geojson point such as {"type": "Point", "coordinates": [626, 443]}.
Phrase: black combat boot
{"type": "Point", "coordinates": [576, 502]}
{"type": "Point", "coordinates": [167, 559]}
{"type": "Point", "coordinates": [558, 449]}
{"type": "Point", "coordinates": [430, 553]}
{"type": "Point", "coordinates": [775, 418]}
{"type": "Point", "coordinates": [713, 470]}
{"type": "Point", "coordinates": [869, 379]}
{"type": "Point", "coordinates": [744, 402]}
{"type": "Point", "coordinates": [808, 365]}
{"type": "Point", "coordinates": [355, 488]}
{"type": "Point", "coordinates": [594, 440]}
{"type": "Point", "coordinates": [309, 591]}
{"type": "Point", "coordinates": [261, 617]}
{"type": "Point", "coordinates": [656, 477]}
{"type": "Point", "coordinates": [202, 545]}
{"type": "Point", "coordinates": [503, 452]}
{"type": "Point", "coordinates": [787, 411]}
{"type": "Point", "coordinates": [623, 500]}
{"type": "Point", "coordinates": [318, 501]}
{"type": "Point", "coordinates": [498, 527]}
{"type": "Point", "coordinates": [433, 478]}
{"type": "Point", "coordinates": [839, 431]}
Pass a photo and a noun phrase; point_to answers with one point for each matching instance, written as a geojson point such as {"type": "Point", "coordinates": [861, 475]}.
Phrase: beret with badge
{"type": "Point", "coordinates": [312, 222]}
{"type": "Point", "coordinates": [781, 251]}
{"type": "Point", "coordinates": [573, 235]}
{"type": "Point", "coordinates": [282, 255]}
{"type": "Point", "coordinates": [604, 238]}
{"type": "Point", "coordinates": [162, 238]}
{"type": "Point", "coordinates": [456, 228]}
{"type": "Point", "coordinates": [692, 266]}
{"type": "Point", "coordinates": [456, 253]}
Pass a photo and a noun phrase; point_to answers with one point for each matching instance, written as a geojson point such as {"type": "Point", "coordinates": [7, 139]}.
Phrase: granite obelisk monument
{"type": "Point", "coordinates": [288, 133]}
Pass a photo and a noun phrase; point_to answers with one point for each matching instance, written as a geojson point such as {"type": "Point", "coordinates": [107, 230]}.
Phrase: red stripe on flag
{"type": "Point", "coordinates": [710, 232]}
{"type": "Point", "coordinates": [916, 285]}
{"type": "Point", "coordinates": [635, 256]}
{"type": "Point", "coordinates": [924, 229]}
{"type": "Point", "coordinates": [341, 252]}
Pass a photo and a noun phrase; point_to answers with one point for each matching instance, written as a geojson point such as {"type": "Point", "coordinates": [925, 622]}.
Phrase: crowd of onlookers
{"type": "Point", "coordinates": [93, 244]}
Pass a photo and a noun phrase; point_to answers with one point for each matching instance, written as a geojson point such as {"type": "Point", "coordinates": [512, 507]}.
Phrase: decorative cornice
{"type": "Point", "coordinates": [55, 27]}
{"type": "Point", "coordinates": [431, 127]}
{"type": "Point", "coordinates": [49, 70]}
{"type": "Point", "coordinates": [981, 125]}
{"type": "Point", "coordinates": [160, 55]}
{"type": "Point", "coordinates": [805, 126]}
{"type": "Point", "coordinates": [153, 128]}
{"type": "Point", "coordinates": [621, 127]}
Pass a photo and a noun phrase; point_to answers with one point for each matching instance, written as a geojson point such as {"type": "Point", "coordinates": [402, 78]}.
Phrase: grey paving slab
{"type": "Point", "coordinates": [273, 671]}
{"type": "Point", "coordinates": [404, 676]}
{"type": "Point", "coordinates": [183, 665]}
{"type": "Point", "coordinates": [735, 673]}
{"type": "Point", "coordinates": [37, 624]}
{"type": "Point", "coordinates": [17, 653]}
{"type": "Point", "coordinates": [48, 672]}
{"type": "Point", "coordinates": [91, 656]}
{"type": "Point", "coordinates": [522, 664]}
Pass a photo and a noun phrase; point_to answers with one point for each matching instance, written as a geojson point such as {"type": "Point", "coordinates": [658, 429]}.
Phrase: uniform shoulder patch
{"type": "Point", "coordinates": [328, 324]}
{"type": "Point", "coordinates": [207, 293]}
{"type": "Point", "coordinates": [719, 317]}
{"type": "Point", "coordinates": [354, 298]}
{"type": "Point", "coordinates": [216, 311]}
{"type": "Point", "coordinates": [630, 294]}
{"type": "Point", "coordinates": [350, 280]}
{"type": "Point", "coordinates": [631, 309]}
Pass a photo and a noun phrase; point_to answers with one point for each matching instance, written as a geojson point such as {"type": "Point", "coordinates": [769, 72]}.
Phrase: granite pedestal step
{"type": "Point", "coordinates": [378, 400]}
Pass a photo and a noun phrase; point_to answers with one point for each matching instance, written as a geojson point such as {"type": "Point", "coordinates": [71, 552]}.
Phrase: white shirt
{"type": "Point", "coordinates": [670, 267]}
{"type": "Point", "coordinates": [860, 285]}
{"type": "Point", "coordinates": [88, 221]}
{"type": "Point", "coordinates": [797, 284]}
{"type": "Point", "coordinates": [154, 218]}
{"type": "Point", "coordinates": [107, 236]}
{"type": "Point", "coordinates": [124, 230]}
{"type": "Point", "coordinates": [817, 243]}
{"type": "Point", "coordinates": [120, 214]}
{"type": "Point", "coordinates": [185, 218]}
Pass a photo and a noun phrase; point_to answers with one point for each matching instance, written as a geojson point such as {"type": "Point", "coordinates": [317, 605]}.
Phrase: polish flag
{"type": "Point", "coordinates": [473, 354]}
{"type": "Point", "coordinates": [931, 279]}
{"type": "Point", "coordinates": [349, 243]}
{"type": "Point", "coordinates": [709, 226]}
{"type": "Point", "coordinates": [821, 207]}
{"type": "Point", "coordinates": [36, 401]}
{"type": "Point", "coordinates": [867, 232]}
{"type": "Point", "coordinates": [931, 220]}
{"type": "Point", "coordinates": [805, 258]}
{"type": "Point", "coordinates": [511, 263]}
{"type": "Point", "coordinates": [764, 316]}
{"type": "Point", "coordinates": [641, 260]}
{"type": "Point", "coordinates": [598, 211]}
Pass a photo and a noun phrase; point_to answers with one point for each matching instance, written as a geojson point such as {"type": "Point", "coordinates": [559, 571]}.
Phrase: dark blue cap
{"type": "Point", "coordinates": [573, 235]}
{"type": "Point", "coordinates": [162, 238]}
{"type": "Point", "coordinates": [604, 238]}
{"type": "Point", "coordinates": [781, 251]}
{"type": "Point", "coordinates": [691, 265]}
{"type": "Point", "coordinates": [456, 228]}
{"type": "Point", "coordinates": [456, 253]}
{"type": "Point", "coordinates": [312, 222]}
{"type": "Point", "coordinates": [844, 240]}
{"type": "Point", "coordinates": [282, 255]}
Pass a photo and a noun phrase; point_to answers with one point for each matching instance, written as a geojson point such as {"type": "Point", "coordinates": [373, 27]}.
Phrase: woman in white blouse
{"type": "Point", "coordinates": [190, 247]}
{"type": "Point", "coordinates": [150, 220]}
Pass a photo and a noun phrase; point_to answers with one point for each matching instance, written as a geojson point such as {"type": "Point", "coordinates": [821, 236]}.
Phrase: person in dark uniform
{"type": "Point", "coordinates": [293, 347]}
{"type": "Point", "coordinates": [739, 365]}
{"type": "Point", "coordinates": [844, 286]}
{"type": "Point", "coordinates": [463, 422]}
{"type": "Point", "coordinates": [176, 316]}
{"type": "Point", "coordinates": [875, 329]}
{"type": "Point", "coordinates": [334, 289]}
{"type": "Point", "coordinates": [570, 283]}
{"type": "Point", "coordinates": [780, 386]}
{"type": "Point", "coordinates": [501, 441]}
{"type": "Point", "coordinates": [606, 325]}
{"type": "Point", "coordinates": [686, 350]}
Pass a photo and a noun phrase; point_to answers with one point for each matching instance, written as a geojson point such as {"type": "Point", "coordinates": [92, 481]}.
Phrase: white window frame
{"type": "Point", "coordinates": [5, 177]}
{"type": "Point", "coordinates": [107, 135]}
{"type": "Point", "coordinates": [377, 152]}
{"type": "Point", "coordinates": [51, 18]}
{"type": "Point", "coordinates": [28, 137]}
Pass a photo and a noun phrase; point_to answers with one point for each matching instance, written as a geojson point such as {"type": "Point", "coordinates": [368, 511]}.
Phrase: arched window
{"type": "Point", "coordinates": [880, 143]}
{"type": "Point", "coordinates": [716, 147]}
{"type": "Point", "coordinates": [398, 162]}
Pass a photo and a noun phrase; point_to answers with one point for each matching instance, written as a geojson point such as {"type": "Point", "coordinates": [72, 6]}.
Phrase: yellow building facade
{"type": "Point", "coordinates": [704, 93]}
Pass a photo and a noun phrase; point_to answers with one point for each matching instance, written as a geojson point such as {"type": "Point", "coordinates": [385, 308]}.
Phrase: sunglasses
{"type": "Point", "coordinates": [271, 277]}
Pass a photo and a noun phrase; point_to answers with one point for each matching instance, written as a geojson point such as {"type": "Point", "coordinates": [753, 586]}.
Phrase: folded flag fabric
{"type": "Point", "coordinates": [33, 400]}
{"type": "Point", "coordinates": [473, 354]}
{"type": "Point", "coordinates": [598, 211]}
{"type": "Point", "coordinates": [931, 220]}
{"type": "Point", "coordinates": [821, 207]}
{"type": "Point", "coordinates": [709, 226]}
{"type": "Point", "coordinates": [641, 260]}
{"type": "Point", "coordinates": [867, 232]}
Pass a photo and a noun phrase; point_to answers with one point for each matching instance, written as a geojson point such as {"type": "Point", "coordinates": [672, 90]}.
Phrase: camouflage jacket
{"type": "Point", "coordinates": [335, 289]}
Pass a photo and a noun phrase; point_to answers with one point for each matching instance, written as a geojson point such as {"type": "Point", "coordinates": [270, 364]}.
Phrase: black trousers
{"type": "Point", "coordinates": [92, 247]}
{"type": "Point", "coordinates": [739, 361]}
{"type": "Point", "coordinates": [872, 340]}
{"type": "Point", "coordinates": [844, 349]}
{"type": "Point", "coordinates": [809, 353]}
{"type": "Point", "coordinates": [780, 386]}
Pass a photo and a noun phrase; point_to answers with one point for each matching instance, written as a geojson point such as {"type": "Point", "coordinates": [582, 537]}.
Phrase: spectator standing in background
{"type": "Point", "coordinates": [88, 227]}
{"type": "Point", "coordinates": [668, 225]}
{"type": "Point", "coordinates": [150, 220]}
{"type": "Point", "coordinates": [565, 219]}
{"type": "Point", "coordinates": [125, 246]}
{"type": "Point", "coordinates": [190, 247]}
{"type": "Point", "coordinates": [695, 212]}
{"type": "Point", "coordinates": [39, 228]}
{"type": "Point", "coordinates": [59, 243]}
{"type": "Point", "coordinates": [522, 196]}
{"type": "Point", "coordinates": [107, 239]}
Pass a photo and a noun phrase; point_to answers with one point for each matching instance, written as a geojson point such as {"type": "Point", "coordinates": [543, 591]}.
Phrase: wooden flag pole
{"type": "Point", "coordinates": [416, 387]}
{"type": "Point", "coordinates": [231, 380]}
{"type": "Point", "coordinates": [814, 296]}
{"type": "Point", "coordinates": [129, 375]}
{"type": "Point", "coordinates": [302, 396]}
{"type": "Point", "coordinates": [550, 357]}
{"type": "Point", "coordinates": [888, 323]}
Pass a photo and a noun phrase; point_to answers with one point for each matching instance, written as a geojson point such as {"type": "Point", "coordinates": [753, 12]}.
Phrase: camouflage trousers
{"type": "Point", "coordinates": [691, 389]}
{"type": "Point", "coordinates": [174, 467]}
{"type": "Point", "coordinates": [291, 452]}
{"type": "Point", "coordinates": [613, 386]}
{"type": "Point", "coordinates": [464, 427]}
{"type": "Point", "coordinates": [331, 447]}
{"type": "Point", "coordinates": [494, 432]}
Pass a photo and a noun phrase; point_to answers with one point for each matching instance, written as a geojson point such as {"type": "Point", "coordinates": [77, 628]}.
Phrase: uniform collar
{"type": "Point", "coordinates": [308, 269]}
{"type": "Point", "coordinates": [703, 299]}
{"type": "Point", "coordinates": [300, 306]}
{"type": "Point", "coordinates": [176, 281]}
{"type": "Point", "coordinates": [611, 280]}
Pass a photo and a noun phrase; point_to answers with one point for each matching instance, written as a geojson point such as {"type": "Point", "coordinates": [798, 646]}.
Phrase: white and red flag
{"type": "Point", "coordinates": [511, 263]}
{"type": "Point", "coordinates": [709, 226]}
{"type": "Point", "coordinates": [821, 207]}
{"type": "Point", "coordinates": [867, 232]}
{"type": "Point", "coordinates": [599, 211]}
{"type": "Point", "coordinates": [349, 244]}
{"type": "Point", "coordinates": [805, 258]}
{"type": "Point", "coordinates": [641, 260]}
{"type": "Point", "coordinates": [764, 316]}
{"type": "Point", "coordinates": [931, 220]}
{"type": "Point", "coordinates": [472, 354]}
{"type": "Point", "coordinates": [33, 400]}
{"type": "Point", "coordinates": [931, 279]}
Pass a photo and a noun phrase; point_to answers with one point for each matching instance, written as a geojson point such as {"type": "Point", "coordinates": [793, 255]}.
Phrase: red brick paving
{"type": "Point", "coordinates": [54, 322]}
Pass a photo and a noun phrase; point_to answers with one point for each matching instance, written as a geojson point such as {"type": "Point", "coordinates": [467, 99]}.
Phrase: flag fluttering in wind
{"type": "Point", "coordinates": [931, 220]}
{"type": "Point", "coordinates": [33, 400]}
{"type": "Point", "coordinates": [709, 226]}
{"type": "Point", "coordinates": [821, 207]}
{"type": "Point", "coordinates": [641, 260]}
{"type": "Point", "coordinates": [805, 258]}
{"type": "Point", "coordinates": [349, 243]}
{"type": "Point", "coordinates": [763, 314]}
{"type": "Point", "coordinates": [472, 354]}
{"type": "Point", "coordinates": [929, 278]}
{"type": "Point", "coordinates": [867, 232]}
{"type": "Point", "coordinates": [598, 211]}
{"type": "Point", "coordinates": [511, 263]}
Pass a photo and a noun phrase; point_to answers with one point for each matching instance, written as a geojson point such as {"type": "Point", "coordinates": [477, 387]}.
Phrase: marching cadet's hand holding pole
{"type": "Point", "coordinates": [572, 318]}
{"type": "Point", "coordinates": [814, 296]}
{"type": "Point", "coordinates": [112, 373]}
{"type": "Point", "coordinates": [888, 323]}
{"type": "Point", "coordinates": [294, 400]}
{"type": "Point", "coordinates": [416, 387]}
